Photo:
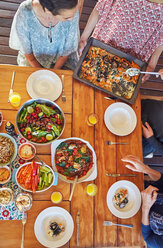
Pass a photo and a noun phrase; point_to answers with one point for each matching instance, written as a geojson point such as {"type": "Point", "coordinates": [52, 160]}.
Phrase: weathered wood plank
{"type": "Point", "coordinates": [7, 13]}
{"type": "Point", "coordinates": [7, 50]}
{"type": "Point", "coordinates": [81, 109]}
{"type": "Point", "coordinates": [4, 31]}
{"type": "Point", "coordinates": [5, 23]}
{"type": "Point", "coordinates": [8, 59]}
{"type": "Point", "coordinates": [9, 6]}
{"type": "Point", "coordinates": [4, 41]}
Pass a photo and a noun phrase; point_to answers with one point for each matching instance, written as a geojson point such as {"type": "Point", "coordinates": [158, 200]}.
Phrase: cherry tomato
{"type": "Point", "coordinates": [44, 116]}
{"type": "Point", "coordinates": [84, 173]}
{"type": "Point", "coordinates": [56, 116]}
{"type": "Point", "coordinates": [67, 165]}
{"type": "Point", "coordinates": [49, 127]}
{"type": "Point", "coordinates": [58, 121]}
{"type": "Point", "coordinates": [29, 136]}
{"type": "Point", "coordinates": [34, 139]}
{"type": "Point", "coordinates": [28, 132]}
{"type": "Point", "coordinates": [74, 151]}
{"type": "Point", "coordinates": [27, 117]}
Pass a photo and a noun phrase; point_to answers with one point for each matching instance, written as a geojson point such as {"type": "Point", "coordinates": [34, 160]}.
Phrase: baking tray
{"type": "Point", "coordinates": [97, 43]}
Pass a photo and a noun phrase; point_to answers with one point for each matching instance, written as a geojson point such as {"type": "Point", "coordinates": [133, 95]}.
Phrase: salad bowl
{"type": "Point", "coordinates": [40, 121]}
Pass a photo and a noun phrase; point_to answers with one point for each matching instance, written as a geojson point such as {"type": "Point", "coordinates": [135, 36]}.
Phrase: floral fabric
{"type": "Point", "coordinates": [28, 35]}
{"type": "Point", "coordinates": [133, 26]}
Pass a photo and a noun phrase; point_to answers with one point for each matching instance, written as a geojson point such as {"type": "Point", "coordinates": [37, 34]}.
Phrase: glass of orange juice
{"type": "Point", "coordinates": [91, 189]}
{"type": "Point", "coordinates": [15, 99]}
{"type": "Point", "coordinates": [56, 197]}
{"type": "Point", "coordinates": [92, 119]}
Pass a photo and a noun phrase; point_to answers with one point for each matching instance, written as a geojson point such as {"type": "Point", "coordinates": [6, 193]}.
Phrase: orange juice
{"type": "Point", "coordinates": [14, 99]}
{"type": "Point", "coordinates": [91, 189]}
{"type": "Point", "coordinates": [56, 197]}
{"type": "Point", "coordinates": [92, 119]}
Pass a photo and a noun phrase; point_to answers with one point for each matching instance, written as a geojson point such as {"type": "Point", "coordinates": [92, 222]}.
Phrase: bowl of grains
{"type": "Point", "coordinates": [6, 196]}
{"type": "Point", "coordinates": [8, 149]}
{"type": "Point", "coordinates": [5, 174]}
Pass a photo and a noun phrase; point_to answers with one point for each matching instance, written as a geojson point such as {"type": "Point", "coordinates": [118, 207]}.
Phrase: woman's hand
{"type": "Point", "coordinates": [82, 44]}
{"type": "Point", "coordinates": [147, 131]}
{"type": "Point", "coordinates": [147, 76]}
{"type": "Point", "coordinates": [149, 196]}
{"type": "Point", "coordinates": [161, 72]}
{"type": "Point", "coordinates": [137, 165]}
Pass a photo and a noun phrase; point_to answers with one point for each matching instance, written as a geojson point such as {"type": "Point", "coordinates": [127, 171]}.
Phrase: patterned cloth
{"type": "Point", "coordinates": [10, 212]}
{"type": "Point", "coordinates": [28, 35]}
{"type": "Point", "coordinates": [133, 26]}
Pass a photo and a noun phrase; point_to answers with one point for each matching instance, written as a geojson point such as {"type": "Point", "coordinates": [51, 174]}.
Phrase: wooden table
{"type": "Point", "coordinates": [81, 101]}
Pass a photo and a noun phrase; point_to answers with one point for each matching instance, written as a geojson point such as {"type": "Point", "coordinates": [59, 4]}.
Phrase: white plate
{"type": "Point", "coordinates": [120, 119]}
{"type": "Point", "coordinates": [41, 226]}
{"type": "Point", "coordinates": [44, 84]}
{"type": "Point", "coordinates": [56, 143]}
{"type": "Point", "coordinates": [134, 199]}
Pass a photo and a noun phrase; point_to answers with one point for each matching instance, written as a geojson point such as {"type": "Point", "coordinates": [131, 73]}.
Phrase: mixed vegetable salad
{"type": "Point", "coordinates": [40, 123]}
{"type": "Point", "coordinates": [35, 177]}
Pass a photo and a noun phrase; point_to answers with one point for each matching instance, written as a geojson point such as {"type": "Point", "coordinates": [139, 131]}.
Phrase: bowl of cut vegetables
{"type": "Point", "coordinates": [40, 121]}
{"type": "Point", "coordinates": [34, 177]}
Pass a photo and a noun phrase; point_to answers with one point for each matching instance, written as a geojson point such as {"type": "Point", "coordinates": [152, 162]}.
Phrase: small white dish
{"type": "Point", "coordinates": [44, 84]}
{"type": "Point", "coordinates": [134, 199]}
{"type": "Point", "coordinates": [56, 214]}
{"type": "Point", "coordinates": [8, 179]}
{"type": "Point", "coordinates": [120, 119]}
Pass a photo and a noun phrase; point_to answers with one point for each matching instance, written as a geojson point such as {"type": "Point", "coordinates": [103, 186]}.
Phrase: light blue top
{"type": "Point", "coordinates": [28, 35]}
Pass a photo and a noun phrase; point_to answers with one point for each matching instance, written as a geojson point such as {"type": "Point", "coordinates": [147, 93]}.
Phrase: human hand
{"type": "Point", "coordinates": [147, 76]}
{"type": "Point", "coordinates": [147, 131]}
{"type": "Point", "coordinates": [82, 44]}
{"type": "Point", "coordinates": [137, 165]}
{"type": "Point", "coordinates": [149, 196]}
{"type": "Point", "coordinates": [161, 72]}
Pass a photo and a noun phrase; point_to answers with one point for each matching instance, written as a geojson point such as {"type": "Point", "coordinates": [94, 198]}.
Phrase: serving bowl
{"type": "Point", "coordinates": [6, 196]}
{"type": "Point", "coordinates": [26, 151]}
{"type": "Point", "coordinates": [40, 121]}
{"type": "Point", "coordinates": [15, 148]}
{"type": "Point", "coordinates": [5, 167]}
{"type": "Point", "coordinates": [29, 190]}
{"type": "Point", "coordinates": [23, 201]}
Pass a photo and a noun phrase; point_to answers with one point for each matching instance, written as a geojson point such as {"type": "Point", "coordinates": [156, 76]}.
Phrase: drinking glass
{"type": "Point", "coordinates": [56, 197]}
{"type": "Point", "coordinates": [92, 119]}
{"type": "Point", "coordinates": [15, 99]}
{"type": "Point", "coordinates": [91, 189]}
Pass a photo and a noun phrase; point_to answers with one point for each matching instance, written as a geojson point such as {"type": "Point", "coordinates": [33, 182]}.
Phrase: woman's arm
{"type": "Point", "coordinates": [137, 165]}
{"type": "Point", "coordinates": [32, 60]}
{"type": "Point", "coordinates": [60, 62]}
{"type": "Point", "coordinates": [92, 21]}
{"type": "Point", "coordinates": [153, 62]}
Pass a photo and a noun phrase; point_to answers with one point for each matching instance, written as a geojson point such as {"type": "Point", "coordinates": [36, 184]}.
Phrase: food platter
{"type": "Point", "coordinates": [44, 84]}
{"type": "Point", "coordinates": [22, 185]}
{"type": "Point", "coordinates": [134, 199]}
{"type": "Point", "coordinates": [42, 222]}
{"type": "Point", "coordinates": [120, 119]}
{"type": "Point", "coordinates": [5, 137]}
{"type": "Point", "coordinates": [91, 174]}
{"type": "Point", "coordinates": [114, 51]}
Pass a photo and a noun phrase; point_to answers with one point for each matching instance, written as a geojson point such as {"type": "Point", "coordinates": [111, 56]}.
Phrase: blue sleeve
{"type": "Point", "coordinates": [152, 239]}
{"type": "Point", "coordinates": [157, 145]}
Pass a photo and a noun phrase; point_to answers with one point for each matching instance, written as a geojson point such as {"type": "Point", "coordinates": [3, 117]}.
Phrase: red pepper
{"type": "Point", "coordinates": [74, 151]}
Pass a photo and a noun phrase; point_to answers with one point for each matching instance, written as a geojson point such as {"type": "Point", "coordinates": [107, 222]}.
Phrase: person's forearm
{"type": "Point", "coordinates": [155, 56]}
{"type": "Point", "coordinates": [32, 60]}
{"type": "Point", "coordinates": [60, 62]}
{"type": "Point", "coordinates": [92, 21]}
{"type": "Point", "coordinates": [145, 216]}
{"type": "Point", "coordinates": [153, 174]}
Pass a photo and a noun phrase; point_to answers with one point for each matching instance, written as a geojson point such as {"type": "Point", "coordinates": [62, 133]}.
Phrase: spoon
{"type": "Point", "coordinates": [134, 72]}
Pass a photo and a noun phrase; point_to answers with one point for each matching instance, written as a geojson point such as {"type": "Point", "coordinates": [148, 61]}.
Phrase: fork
{"type": "Point", "coordinates": [110, 223]}
{"type": "Point", "coordinates": [115, 143]}
{"type": "Point", "coordinates": [23, 222]}
{"type": "Point", "coordinates": [63, 91]}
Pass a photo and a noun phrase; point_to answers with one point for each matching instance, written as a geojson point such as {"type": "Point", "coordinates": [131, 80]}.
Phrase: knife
{"type": "Point", "coordinates": [78, 223]}
{"type": "Point", "coordinates": [120, 175]}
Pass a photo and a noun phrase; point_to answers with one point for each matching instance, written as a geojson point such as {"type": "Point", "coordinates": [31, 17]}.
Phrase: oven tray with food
{"type": "Point", "coordinates": [103, 67]}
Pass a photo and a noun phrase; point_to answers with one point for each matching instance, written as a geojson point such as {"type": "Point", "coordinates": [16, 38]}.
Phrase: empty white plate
{"type": "Point", "coordinates": [41, 227]}
{"type": "Point", "coordinates": [120, 119]}
{"type": "Point", "coordinates": [134, 199]}
{"type": "Point", "coordinates": [44, 84]}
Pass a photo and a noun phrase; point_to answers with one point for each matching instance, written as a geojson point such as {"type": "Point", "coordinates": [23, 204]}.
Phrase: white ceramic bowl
{"type": "Point", "coordinates": [37, 191]}
{"type": "Point", "coordinates": [11, 195]}
{"type": "Point", "coordinates": [15, 148]}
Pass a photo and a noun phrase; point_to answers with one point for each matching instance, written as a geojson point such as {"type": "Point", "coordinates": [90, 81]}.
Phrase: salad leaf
{"type": "Point", "coordinates": [55, 129]}
{"type": "Point", "coordinates": [46, 110]}
{"type": "Point", "coordinates": [23, 115]}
